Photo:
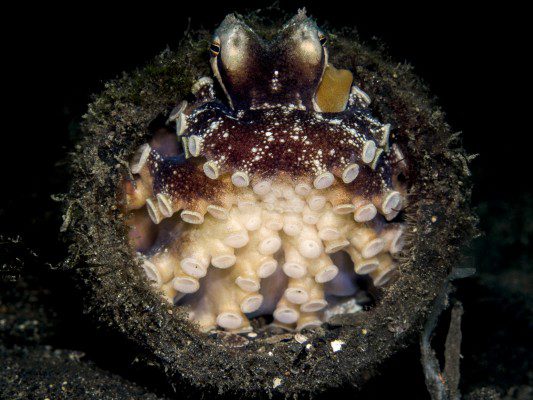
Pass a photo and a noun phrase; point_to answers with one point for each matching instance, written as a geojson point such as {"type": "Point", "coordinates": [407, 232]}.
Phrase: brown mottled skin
{"type": "Point", "coordinates": [183, 181]}
{"type": "Point", "coordinates": [271, 125]}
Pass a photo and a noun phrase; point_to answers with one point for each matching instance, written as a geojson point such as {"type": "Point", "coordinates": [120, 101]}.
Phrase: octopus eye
{"type": "Point", "coordinates": [214, 48]}
{"type": "Point", "coordinates": [322, 38]}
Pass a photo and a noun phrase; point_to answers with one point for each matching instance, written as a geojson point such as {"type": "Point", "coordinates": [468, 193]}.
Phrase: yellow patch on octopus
{"type": "Point", "coordinates": [334, 89]}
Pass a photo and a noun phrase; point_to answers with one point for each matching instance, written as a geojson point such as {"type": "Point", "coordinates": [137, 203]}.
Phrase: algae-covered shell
{"type": "Point", "coordinates": [348, 348]}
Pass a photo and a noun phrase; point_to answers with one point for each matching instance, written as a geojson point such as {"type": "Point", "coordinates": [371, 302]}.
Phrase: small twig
{"type": "Point", "coordinates": [444, 386]}
{"type": "Point", "coordinates": [430, 364]}
{"type": "Point", "coordinates": [452, 352]}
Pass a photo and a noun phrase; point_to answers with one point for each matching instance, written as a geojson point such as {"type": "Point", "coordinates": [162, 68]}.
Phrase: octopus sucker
{"type": "Point", "coordinates": [350, 172]}
{"type": "Point", "coordinates": [281, 205]}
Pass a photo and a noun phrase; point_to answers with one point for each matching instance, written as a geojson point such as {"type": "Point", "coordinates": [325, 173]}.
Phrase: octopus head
{"type": "Point", "coordinates": [283, 200]}
{"type": "Point", "coordinates": [290, 65]}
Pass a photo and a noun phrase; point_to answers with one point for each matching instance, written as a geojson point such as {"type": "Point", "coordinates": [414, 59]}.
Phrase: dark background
{"type": "Point", "coordinates": [473, 60]}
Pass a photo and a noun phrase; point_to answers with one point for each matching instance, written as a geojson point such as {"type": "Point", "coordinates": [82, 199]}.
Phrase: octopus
{"type": "Point", "coordinates": [275, 199]}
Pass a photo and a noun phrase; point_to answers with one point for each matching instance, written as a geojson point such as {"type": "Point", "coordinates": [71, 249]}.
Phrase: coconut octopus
{"type": "Point", "coordinates": [275, 200]}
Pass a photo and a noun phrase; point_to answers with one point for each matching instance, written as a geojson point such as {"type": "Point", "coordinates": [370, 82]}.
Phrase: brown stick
{"type": "Point", "coordinates": [436, 381]}
{"type": "Point", "coordinates": [452, 352]}
{"type": "Point", "coordinates": [430, 364]}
